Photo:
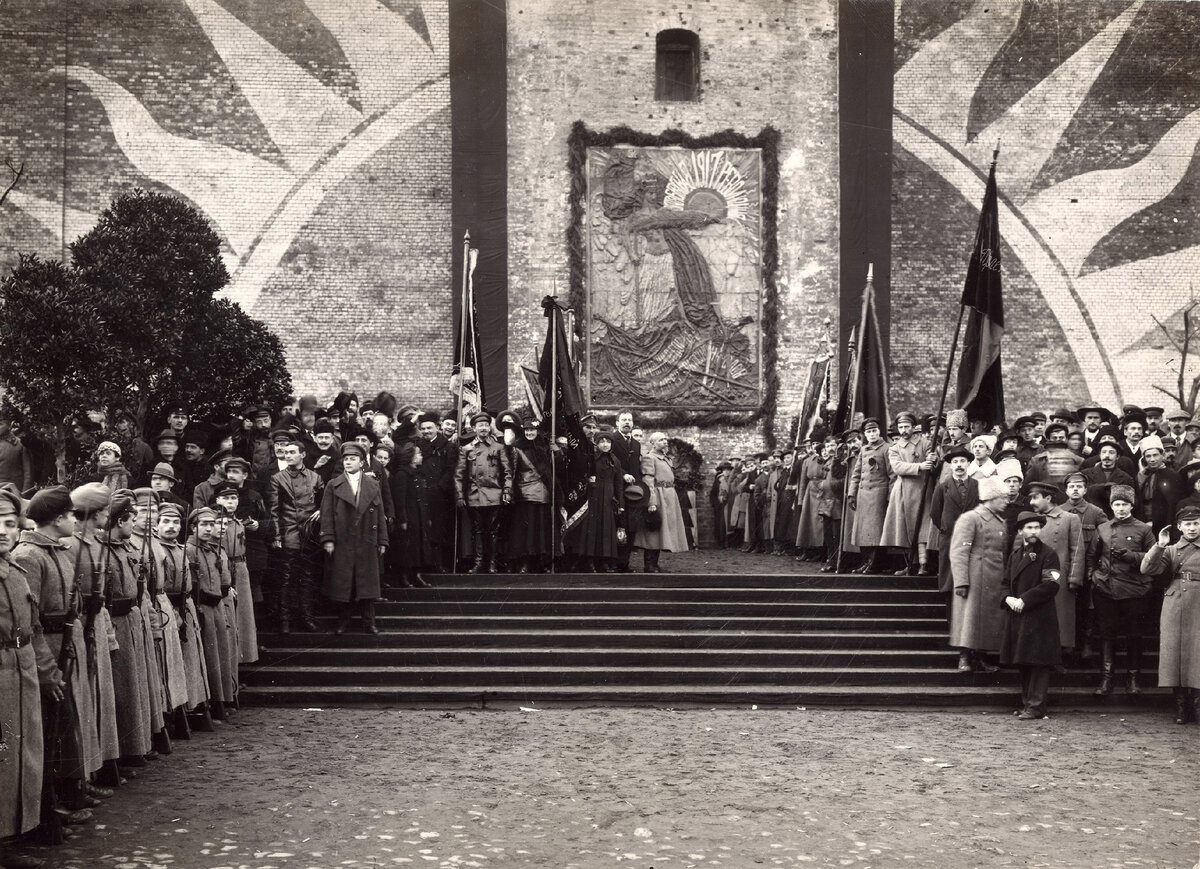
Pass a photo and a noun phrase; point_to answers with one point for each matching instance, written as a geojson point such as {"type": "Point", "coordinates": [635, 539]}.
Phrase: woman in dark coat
{"type": "Point", "coordinates": [531, 520]}
{"type": "Point", "coordinates": [1030, 641]}
{"type": "Point", "coordinates": [597, 542]}
{"type": "Point", "coordinates": [412, 495]}
{"type": "Point", "coordinates": [354, 535]}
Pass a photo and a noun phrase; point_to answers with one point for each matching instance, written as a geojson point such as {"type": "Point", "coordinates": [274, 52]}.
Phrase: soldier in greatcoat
{"type": "Point", "coordinates": [1030, 640]}
{"type": "Point", "coordinates": [1179, 622]}
{"type": "Point", "coordinates": [911, 459]}
{"type": "Point", "coordinates": [810, 532]}
{"type": "Point", "coordinates": [1064, 534]}
{"type": "Point", "coordinates": [227, 496]}
{"type": "Point", "coordinates": [179, 587]}
{"type": "Point", "coordinates": [210, 569]}
{"type": "Point", "coordinates": [73, 752]}
{"type": "Point", "coordinates": [978, 547]}
{"type": "Point", "coordinates": [26, 670]}
{"type": "Point", "coordinates": [354, 536]}
{"type": "Point", "coordinates": [868, 495]}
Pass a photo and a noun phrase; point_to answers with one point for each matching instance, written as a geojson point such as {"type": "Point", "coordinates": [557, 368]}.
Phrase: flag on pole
{"type": "Point", "coordinates": [980, 384]}
{"type": "Point", "coordinates": [563, 406]}
{"type": "Point", "coordinates": [865, 389]}
{"type": "Point", "coordinates": [466, 375]}
{"type": "Point", "coordinates": [816, 396]}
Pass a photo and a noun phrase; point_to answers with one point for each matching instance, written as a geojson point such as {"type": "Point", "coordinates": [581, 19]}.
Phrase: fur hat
{"type": "Point", "coordinates": [1151, 442]}
{"type": "Point", "coordinates": [957, 417]}
{"type": "Point", "coordinates": [1121, 493]}
{"type": "Point", "coordinates": [1006, 468]}
{"type": "Point", "coordinates": [992, 487]}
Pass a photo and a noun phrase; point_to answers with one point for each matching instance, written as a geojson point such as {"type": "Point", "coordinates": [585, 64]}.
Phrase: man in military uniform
{"type": "Point", "coordinates": [910, 459]}
{"type": "Point", "coordinates": [295, 496]}
{"type": "Point", "coordinates": [868, 494]}
{"type": "Point", "coordinates": [483, 485]}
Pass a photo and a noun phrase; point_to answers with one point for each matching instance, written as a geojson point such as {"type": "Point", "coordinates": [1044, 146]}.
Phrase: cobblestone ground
{"type": "Point", "coordinates": [639, 787]}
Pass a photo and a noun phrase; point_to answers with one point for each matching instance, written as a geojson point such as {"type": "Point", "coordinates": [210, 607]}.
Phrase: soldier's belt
{"type": "Point", "coordinates": [237, 559]}
{"type": "Point", "coordinates": [56, 623]}
{"type": "Point", "coordinates": [204, 598]}
{"type": "Point", "coordinates": [121, 606]}
{"type": "Point", "coordinates": [19, 639]}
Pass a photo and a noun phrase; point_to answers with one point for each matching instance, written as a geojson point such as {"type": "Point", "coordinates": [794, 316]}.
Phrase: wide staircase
{"type": "Point", "coordinates": [653, 639]}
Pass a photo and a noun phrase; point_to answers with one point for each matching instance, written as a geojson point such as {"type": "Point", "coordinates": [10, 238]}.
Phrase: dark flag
{"type": "Point", "coordinates": [980, 385]}
{"type": "Point", "coordinates": [563, 405]}
{"type": "Point", "coordinates": [865, 390]}
{"type": "Point", "coordinates": [816, 396]}
{"type": "Point", "coordinates": [466, 379]}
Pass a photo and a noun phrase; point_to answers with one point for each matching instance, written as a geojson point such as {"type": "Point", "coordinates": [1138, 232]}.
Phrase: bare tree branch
{"type": "Point", "coordinates": [17, 172]}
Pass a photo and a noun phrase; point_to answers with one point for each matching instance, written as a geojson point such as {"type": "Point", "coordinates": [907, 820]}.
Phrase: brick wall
{"type": "Point", "coordinates": [769, 62]}
{"type": "Point", "coordinates": [315, 136]}
{"type": "Point", "coordinates": [1096, 109]}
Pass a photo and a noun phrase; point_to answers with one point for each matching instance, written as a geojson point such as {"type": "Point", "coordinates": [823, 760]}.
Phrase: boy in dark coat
{"type": "Point", "coordinates": [1030, 641]}
{"type": "Point", "coordinates": [354, 535]}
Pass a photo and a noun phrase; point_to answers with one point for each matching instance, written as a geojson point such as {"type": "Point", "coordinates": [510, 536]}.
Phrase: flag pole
{"type": "Point", "coordinates": [553, 419]}
{"type": "Point", "coordinates": [852, 392]}
{"type": "Point", "coordinates": [914, 555]}
{"type": "Point", "coordinates": [464, 306]}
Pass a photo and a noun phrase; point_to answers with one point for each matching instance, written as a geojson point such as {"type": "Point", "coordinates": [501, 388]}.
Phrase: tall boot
{"type": "Point", "coordinates": [179, 724]}
{"type": "Point", "coordinates": [1106, 681]}
{"type": "Point", "coordinates": [648, 560]}
{"type": "Point", "coordinates": [1134, 652]}
{"type": "Point", "coordinates": [345, 615]}
{"type": "Point", "coordinates": [161, 742]}
{"type": "Point", "coordinates": [1183, 705]}
{"type": "Point", "coordinates": [477, 566]}
{"type": "Point", "coordinates": [204, 722]}
{"type": "Point", "coordinates": [366, 609]}
{"type": "Point", "coordinates": [308, 605]}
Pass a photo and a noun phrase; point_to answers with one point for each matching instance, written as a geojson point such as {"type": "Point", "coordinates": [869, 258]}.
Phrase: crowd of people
{"type": "Point", "coordinates": [1066, 533]}
{"type": "Point", "coordinates": [132, 597]}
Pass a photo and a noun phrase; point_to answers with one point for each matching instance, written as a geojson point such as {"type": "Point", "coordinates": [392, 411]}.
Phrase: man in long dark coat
{"type": "Point", "coordinates": [1159, 488]}
{"type": "Point", "coordinates": [629, 455]}
{"type": "Point", "coordinates": [439, 457]}
{"type": "Point", "coordinates": [952, 497]}
{"type": "Point", "coordinates": [1030, 641]}
{"type": "Point", "coordinates": [354, 535]}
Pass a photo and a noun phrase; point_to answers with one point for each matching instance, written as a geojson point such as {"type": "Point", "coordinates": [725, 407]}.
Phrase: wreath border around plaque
{"type": "Point", "coordinates": [767, 141]}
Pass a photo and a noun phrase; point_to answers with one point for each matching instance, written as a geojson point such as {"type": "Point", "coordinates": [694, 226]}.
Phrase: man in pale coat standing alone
{"type": "Point", "coordinates": [978, 547]}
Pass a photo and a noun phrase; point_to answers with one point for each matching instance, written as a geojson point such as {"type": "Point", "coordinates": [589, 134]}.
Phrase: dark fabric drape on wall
{"type": "Point", "coordinates": [865, 61]}
{"type": "Point", "coordinates": [479, 169]}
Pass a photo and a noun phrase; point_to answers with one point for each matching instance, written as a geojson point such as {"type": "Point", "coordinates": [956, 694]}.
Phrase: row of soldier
{"type": "Point", "coordinates": [115, 638]}
{"type": "Point", "coordinates": [1086, 476]}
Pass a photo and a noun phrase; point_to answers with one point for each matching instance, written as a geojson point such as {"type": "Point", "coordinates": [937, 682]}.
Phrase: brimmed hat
{"type": "Point", "coordinates": [1044, 488]}
{"type": "Point", "coordinates": [958, 452]}
{"type": "Point", "coordinates": [1063, 413]}
{"type": "Point", "coordinates": [167, 434]}
{"type": "Point", "coordinates": [1106, 415]}
{"type": "Point", "coordinates": [1030, 516]}
{"type": "Point", "coordinates": [634, 492]}
{"type": "Point", "coordinates": [162, 469]}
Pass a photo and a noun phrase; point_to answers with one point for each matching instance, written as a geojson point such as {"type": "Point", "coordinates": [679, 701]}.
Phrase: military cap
{"type": "Point", "coordinates": [1044, 488]}
{"type": "Point", "coordinates": [587, 417]}
{"type": "Point", "coordinates": [1074, 475]}
{"type": "Point", "coordinates": [260, 412]}
{"type": "Point", "coordinates": [225, 488]}
{"type": "Point", "coordinates": [11, 501]}
{"type": "Point", "coordinates": [250, 411]}
{"type": "Point", "coordinates": [481, 416]}
{"type": "Point", "coordinates": [1127, 409]}
{"type": "Point", "coordinates": [1058, 426]}
{"type": "Point", "coordinates": [351, 448]}
{"type": "Point", "coordinates": [118, 508]}
{"type": "Point", "coordinates": [201, 513]}
{"type": "Point", "coordinates": [284, 436]}
{"type": "Point", "coordinates": [1153, 411]}
{"type": "Point", "coordinates": [1187, 513]}
{"type": "Point", "coordinates": [179, 407]}
{"type": "Point", "coordinates": [49, 504]}
{"type": "Point", "coordinates": [1023, 421]}
{"type": "Point", "coordinates": [905, 416]}
{"type": "Point", "coordinates": [145, 494]}
{"type": "Point", "coordinates": [220, 456]}
{"type": "Point", "coordinates": [167, 507]}
{"type": "Point", "coordinates": [1038, 416]}
{"type": "Point", "coordinates": [1027, 516]}
{"type": "Point", "coordinates": [238, 462]}
{"type": "Point", "coordinates": [871, 422]}
{"type": "Point", "coordinates": [91, 497]}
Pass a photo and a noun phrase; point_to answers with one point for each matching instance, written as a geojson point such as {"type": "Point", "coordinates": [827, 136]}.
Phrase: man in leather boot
{"type": "Point", "coordinates": [1108, 655]}
{"type": "Point", "coordinates": [483, 486]}
{"type": "Point", "coordinates": [295, 496]}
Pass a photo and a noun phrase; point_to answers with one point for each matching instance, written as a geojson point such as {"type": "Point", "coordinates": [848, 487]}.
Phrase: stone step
{"type": "Point", "coordinates": [723, 622]}
{"type": "Point", "coordinates": [640, 595]}
{"type": "Point", "coordinates": [999, 697]}
{"type": "Point", "coordinates": [802, 579]}
{"type": "Point", "coordinates": [652, 608]}
{"type": "Point", "coordinates": [712, 676]}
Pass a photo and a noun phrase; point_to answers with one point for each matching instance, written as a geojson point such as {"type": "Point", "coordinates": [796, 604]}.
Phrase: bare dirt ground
{"type": "Point", "coordinates": [732, 787]}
